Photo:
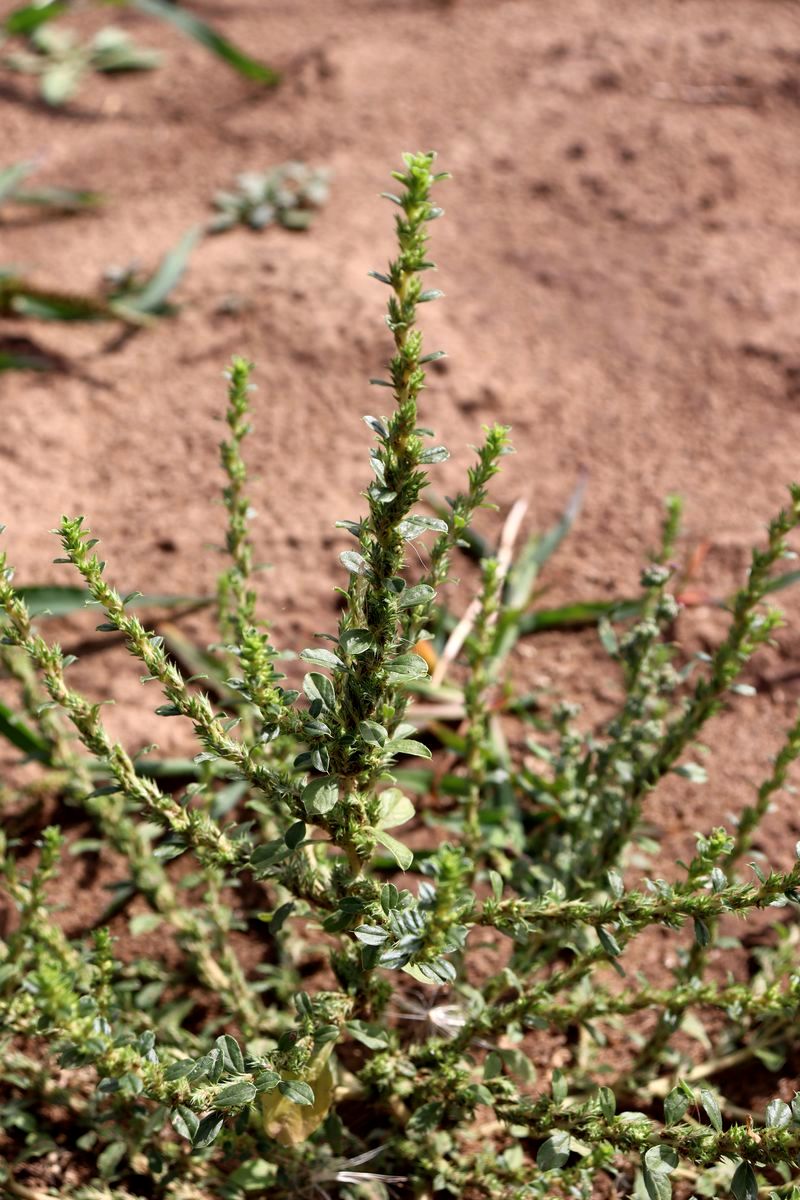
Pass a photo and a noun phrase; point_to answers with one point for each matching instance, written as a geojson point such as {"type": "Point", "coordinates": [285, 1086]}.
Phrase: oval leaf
{"type": "Point", "coordinates": [394, 808]}
{"type": "Point", "coordinates": [320, 795]}
{"type": "Point", "coordinates": [297, 1092]}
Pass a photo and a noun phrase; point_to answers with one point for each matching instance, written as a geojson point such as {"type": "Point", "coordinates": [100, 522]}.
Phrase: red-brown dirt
{"type": "Point", "coordinates": [620, 257]}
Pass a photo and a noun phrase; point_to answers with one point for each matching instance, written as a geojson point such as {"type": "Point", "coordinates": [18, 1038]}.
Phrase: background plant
{"type": "Point", "coordinates": [129, 295]}
{"type": "Point", "coordinates": [286, 195]}
{"type": "Point", "coordinates": [61, 61]}
{"type": "Point", "coordinates": [399, 1061]}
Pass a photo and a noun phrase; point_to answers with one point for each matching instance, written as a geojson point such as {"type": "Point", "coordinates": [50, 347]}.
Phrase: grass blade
{"type": "Point", "coordinates": [191, 25]}
{"type": "Point", "coordinates": [579, 615]}
{"type": "Point", "coordinates": [14, 730]}
{"type": "Point", "coordinates": [66, 200]}
{"type": "Point", "coordinates": [19, 299]}
{"type": "Point", "coordinates": [26, 19]}
{"type": "Point", "coordinates": [788, 579]}
{"type": "Point", "coordinates": [55, 601]}
{"type": "Point", "coordinates": [540, 548]}
{"type": "Point", "coordinates": [10, 360]}
{"type": "Point", "coordinates": [11, 177]}
{"type": "Point", "coordinates": [152, 298]}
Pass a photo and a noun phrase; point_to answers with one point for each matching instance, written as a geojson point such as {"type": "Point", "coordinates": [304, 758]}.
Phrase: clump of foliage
{"type": "Point", "coordinates": [286, 195]}
{"type": "Point", "coordinates": [324, 1023]}
{"type": "Point", "coordinates": [61, 61]}
{"type": "Point", "coordinates": [30, 19]}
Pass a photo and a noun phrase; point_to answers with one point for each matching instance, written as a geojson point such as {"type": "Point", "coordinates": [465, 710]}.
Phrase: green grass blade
{"type": "Point", "coordinates": [14, 730]}
{"type": "Point", "coordinates": [66, 200]}
{"type": "Point", "coordinates": [789, 579]}
{"type": "Point", "coordinates": [23, 301]}
{"type": "Point", "coordinates": [152, 298]}
{"type": "Point", "coordinates": [540, 548]}
{"type": "Point", "coordinates": [11, 361]}
{"type": "Point", "coordinates": [424, 781]}
{"type": "Point", "coordinates": [11, 177]}
{"type": "Point", "coordinates": [191, 25]}
{"type": "Point", "coordinates": [579, 615]}
{"type": "Point", "coordinates": [55, 601]}
{"type": "Point", "coordinates": [26, 19]}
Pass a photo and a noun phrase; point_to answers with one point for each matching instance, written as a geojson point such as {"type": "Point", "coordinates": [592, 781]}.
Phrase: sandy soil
{"type": "Point", "coordinates": [620, 256]}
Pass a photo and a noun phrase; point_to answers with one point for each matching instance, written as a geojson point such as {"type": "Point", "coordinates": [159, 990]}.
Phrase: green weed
{"type": "Point", "coordinates": [286, 195]}
{"type": "Point", "coordinates": [61, 62]}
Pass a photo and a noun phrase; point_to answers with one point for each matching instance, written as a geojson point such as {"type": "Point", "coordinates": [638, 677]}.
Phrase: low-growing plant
{"type": "Point", "coordinates": [129, 294]}
{"type": "Point", "coordinates": [61, 60]}
{"type": "Point", "coordinates": [327, 1021]}
{"type": "Point", "coordinates": [286, 195]}
{"type": "Point", "coordinates": [26, 19]}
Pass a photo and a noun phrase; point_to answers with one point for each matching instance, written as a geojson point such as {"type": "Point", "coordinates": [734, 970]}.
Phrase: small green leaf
{"type": "Point", "coordinates": [394, 808]}
{"type": "Point", "coordinates": [321, 795]}
{"type": "Point", "coordinates": [319, 687]}
{"type": "Point", "coordinates": [711, 1106]}
{"type": "Point", "coordinates": [414, 527]}
{"type": "Point", "coordinates": [144, 923]}
{"type": "Point", "coordinates": [371, 935]}
{"type": "Point", "coordinates": [554, 1152]}
{"type": "Point", "coordinates": [744, 1184]}
{"type": "Point", "coordinates": [232, 1055]}
{"type": "Point", "coordinates": [693, 772]}
{"type": "Point", "coordinates": [25, 20]}
{"type": "Point", "coordinates": [207, 1130]}
{"type": "Point", "coordinates": [658, 1164]}
{"type": "Point", "coordinates": [517, 1063]}
{"type": "Point", "coordinates": [608, 942]}
{"type": "Point", "coordinates": [406, 666]}
{"type": "Point", "coordinates": [298, 1093]}
{"type": "Point", "coordinates": [354, 562]}
{"type": "Point", "coordinates": [109, 1159]}
{"type": "Point", "coordinates": [356, 641]}
{"type": "Point", "coordinates": [235, 1095]}
{"type": "Point", "coordinates": [702, 934]}
{"type": "Point", "coordinates": [496, 882]}
{"type": "Point", "coordinates": [675, 1105]}
{"type": "Point", "coordinates": [372, 732]}
{"type": "Point", "coordinates": [371, 1036]}
{"type": "Point", "coordinates": [322, 658]}
{"type": "Point", "coordinates": [294, 835]}
{"type": "Point", "coordinates": [179, 1070]}
{"type": "Point", "coordinates": [184, 1122]}
{"type": "Point", "coordinates": [607, 1101]}
{"type": "Point", "coordinates": [420, 593]}
{"type": "Point", "coordinates": [280, 916]}
{"type": "Point", "coordinates": [778, 1115]}
{"type": "Point", "coordinates": [493, 1066]}
{"type": "Point", "coordinates": [435, 454]}
{"type": "Point", "coordinates": [14, 730]}
{"type": "Point", "coordinates": [401, 854]}
{"type": "Point", "coordinates": [266, 1081]}
{"type": "Point", "coordinates": [410, 747]}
